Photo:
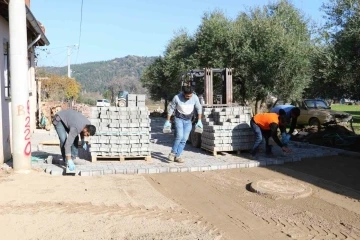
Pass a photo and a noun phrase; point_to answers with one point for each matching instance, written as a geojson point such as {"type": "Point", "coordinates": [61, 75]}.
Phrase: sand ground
{"type": "Point", "coordinates": [201, 205]}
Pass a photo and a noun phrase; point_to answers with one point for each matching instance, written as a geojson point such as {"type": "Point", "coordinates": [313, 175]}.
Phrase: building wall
{"type": "Point", "coordinates": [5, 127]}
{"type": "Point", "coordinates": [5, 103]}
{"type": "Point", "coordinates": [32, 89]}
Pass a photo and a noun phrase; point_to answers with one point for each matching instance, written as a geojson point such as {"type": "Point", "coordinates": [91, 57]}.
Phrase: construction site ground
{"type": "Point", "coordinates": [335, 136]}
{"type": "Point", "coordinates": [208, 197]}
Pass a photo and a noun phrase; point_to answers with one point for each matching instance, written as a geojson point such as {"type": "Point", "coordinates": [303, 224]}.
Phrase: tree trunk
{"type": "Point", "coordinates": [165, 106]}
{"type": "Point", "coordinates": [256, 106]}
{"type": "Point", "coordinates": [275, 102]}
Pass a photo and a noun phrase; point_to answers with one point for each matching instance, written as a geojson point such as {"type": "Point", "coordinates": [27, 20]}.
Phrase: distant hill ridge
{"type": "Point", "coordinates": [94, 76]}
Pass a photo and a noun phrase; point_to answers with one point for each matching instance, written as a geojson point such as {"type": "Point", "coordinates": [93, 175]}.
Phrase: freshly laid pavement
{"type": "Point", "coordinates": [195, 159]}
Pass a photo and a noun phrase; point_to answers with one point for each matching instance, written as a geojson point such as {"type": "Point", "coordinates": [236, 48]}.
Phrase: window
{"type": "Point", "coordinates": [6, 69]}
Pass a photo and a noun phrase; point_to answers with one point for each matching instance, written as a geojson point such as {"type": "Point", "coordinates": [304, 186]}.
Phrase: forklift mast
{"type": "Point", "coordinates": [208, 73]}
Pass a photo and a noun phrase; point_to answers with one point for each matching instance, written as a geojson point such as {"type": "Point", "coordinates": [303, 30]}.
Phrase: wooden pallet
{"type": "Point", "coordinates": [119, 158]}
{"type": "Point", "coordinates": [215, 153]}
{"type": "Point", "coordinates": [53, 143]}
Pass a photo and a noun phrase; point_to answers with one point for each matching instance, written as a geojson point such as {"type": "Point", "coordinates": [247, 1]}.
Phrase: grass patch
{"type": "Point", "coordinates": [354, 110]}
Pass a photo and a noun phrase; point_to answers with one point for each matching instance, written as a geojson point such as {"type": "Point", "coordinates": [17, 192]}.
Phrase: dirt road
{"type": "Point", "coordinates": [224, 202]}
{"type": "Point", "coordinates": [202, 205]}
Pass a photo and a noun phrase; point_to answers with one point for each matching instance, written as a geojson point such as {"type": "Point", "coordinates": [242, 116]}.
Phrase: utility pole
{"type": "Point", "coordinates": [68, 59]}
{"type": "Point", "coordinates": [20, 107]}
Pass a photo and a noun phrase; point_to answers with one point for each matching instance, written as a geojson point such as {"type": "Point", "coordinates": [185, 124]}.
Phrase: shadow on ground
{"type": "Point", "coordinates": [338, 174]}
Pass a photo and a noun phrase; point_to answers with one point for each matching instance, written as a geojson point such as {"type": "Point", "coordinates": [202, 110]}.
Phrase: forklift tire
{"type": "Point", "coordinates": [121, 103]}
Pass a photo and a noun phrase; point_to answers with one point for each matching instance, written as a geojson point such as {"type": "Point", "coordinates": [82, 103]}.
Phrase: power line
{"type": "Point", "coordinates": [81, 13]}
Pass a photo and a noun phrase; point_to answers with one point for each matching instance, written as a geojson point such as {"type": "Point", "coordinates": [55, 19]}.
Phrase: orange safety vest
{"type": "Point", "coordinates": [263, 120]}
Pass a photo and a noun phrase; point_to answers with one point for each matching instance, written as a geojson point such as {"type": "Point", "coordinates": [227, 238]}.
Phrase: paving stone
{"type": "Point", "coordinates": [184, 169]}
{"type": "Point", "coordinates": [56, 172]}
{"type": "Point", "coordinates": [196, 159]}
{"type": "Point", "coordinates": [142, 171]}
{"type": "Point", "coordinates": [120, 171]}
{"type": "Point", "coordinates": [108, 171]}
{"type": "Point", "coordinates": [154, 170]}
{"type": "Point", "coordinates": [85, 173]}
{"type": "Point", "coordinates": [97, 172]}
{"type": "Point", "coordinates": [213, 167]}
{"type": "Point", "coordinates": [131, 171]}
{"type": "Point", "coordinates": [174, 169]}
{"type": "Point", "coordinates": [232, 165]}
{"type": "Point", "coordinates": [194, 169]}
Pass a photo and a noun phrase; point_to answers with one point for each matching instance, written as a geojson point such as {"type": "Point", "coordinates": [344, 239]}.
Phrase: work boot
{"type": "Point", "coordinates": [179, 160]}
{"type": "Point", "coordinates": [171, 157]}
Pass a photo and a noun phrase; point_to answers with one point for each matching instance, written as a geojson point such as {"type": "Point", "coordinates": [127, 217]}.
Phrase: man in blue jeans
{"type": "Point", "coordinates": [68, 125]}
{"type": "Point", "coordinates": [183, 105]}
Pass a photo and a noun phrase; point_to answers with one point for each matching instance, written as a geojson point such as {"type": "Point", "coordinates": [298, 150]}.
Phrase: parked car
{"type": "Point", "coordinates": [102, 103]}
{"type": "Point", "coordinates": [318, 112]}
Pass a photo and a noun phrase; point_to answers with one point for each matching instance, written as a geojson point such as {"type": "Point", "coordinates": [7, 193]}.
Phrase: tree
{"type": "Point", "coordinates": [58, 88]}
{"type": "Point", "coordinates": [162, 77]}
{"type": "Point", "coordinates": [274, 52]}
{"type": "Point", "coordinates": [269, 49]}
{"type": "Point", "coordinates": [343, 18]}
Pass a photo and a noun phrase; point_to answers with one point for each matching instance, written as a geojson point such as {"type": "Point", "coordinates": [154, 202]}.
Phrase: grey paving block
{"type": "Point", "coordinates": [232, 165]}
{"type": "Point", "coordinates": [97, 172]}
{"type": "Point", "coordinates": [163, 169]}
{"type": "Point", "coordinates": [57, 172]}
{"type": "Point", "coordinates": [142, 170]}
{"type": "Point", "coordinates": [174, 169]}
{"type": "Point", "coordinates": [194, 169]}
{"type": "Point", "coordinates": [120, 171]}
{"type": "Point", "coordinates": [85, 173]}
{"type": "Point", "coordinates": [184, 169]}
{"type": "Point", "coordinates": [108, 171]}
{"type": "Point", "coordinates": [131, 171]}
{"type": "Point", "coordinates": [154, 170]}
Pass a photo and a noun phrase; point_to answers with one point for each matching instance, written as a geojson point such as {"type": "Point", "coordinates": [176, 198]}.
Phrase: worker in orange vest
{"type": "Point", "coordinates": [266, 125]}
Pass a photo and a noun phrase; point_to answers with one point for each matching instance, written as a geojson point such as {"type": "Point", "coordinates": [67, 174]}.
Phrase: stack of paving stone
{"type": "Point", "coordinates": [121, 131]}
{"type": "Point", "coordinates": [135, 100]}
{"type": "Point", "coordinates": [227, 129]}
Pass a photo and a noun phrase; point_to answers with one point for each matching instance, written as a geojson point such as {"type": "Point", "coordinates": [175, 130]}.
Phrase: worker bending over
{"type": "Point", "coordinates": [266, 125]}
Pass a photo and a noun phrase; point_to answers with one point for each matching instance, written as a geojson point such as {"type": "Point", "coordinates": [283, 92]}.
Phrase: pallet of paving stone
{"type": "Point", "coordinates": [102, 158]}
{"type": "Point", "coordinates": [220, 152]}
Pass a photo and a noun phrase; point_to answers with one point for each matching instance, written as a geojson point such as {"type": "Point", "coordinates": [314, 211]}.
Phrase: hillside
{"type": "Point", "coordinates": [94, 76]}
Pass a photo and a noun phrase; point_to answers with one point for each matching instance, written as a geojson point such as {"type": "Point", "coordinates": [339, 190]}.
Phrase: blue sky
{"type": "Point", "coordinates": [116, 28]}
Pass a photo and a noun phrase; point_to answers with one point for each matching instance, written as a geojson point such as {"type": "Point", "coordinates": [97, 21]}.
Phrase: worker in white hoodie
{"type": "Point", "coordinates": [183, 105]}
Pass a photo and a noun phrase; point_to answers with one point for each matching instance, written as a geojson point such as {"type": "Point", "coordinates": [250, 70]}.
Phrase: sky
{"type": "Point", "coordinates": [117, 28]}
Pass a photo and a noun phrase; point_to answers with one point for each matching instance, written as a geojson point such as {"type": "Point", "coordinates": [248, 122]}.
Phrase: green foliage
{"type": "Point", "coordinates": [269, 49]}
{"type": "Point", "coordinates": [58, 88]}
{"type": "Point", "coordinates": [96, 76]}
{"type": "Point", "coordinates": [344, 39]}
{"type": "Point", "coordinates": [162, 78]}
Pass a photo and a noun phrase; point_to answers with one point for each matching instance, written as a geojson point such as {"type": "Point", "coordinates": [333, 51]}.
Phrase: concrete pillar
{"type": "Point", "coordinates": [20, 105]}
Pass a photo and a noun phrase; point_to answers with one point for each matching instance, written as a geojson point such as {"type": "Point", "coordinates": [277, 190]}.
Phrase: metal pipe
{"type": "Point", "coordinates": [35, 41]}
{"type": "Point", "coordinates": [20, 108]}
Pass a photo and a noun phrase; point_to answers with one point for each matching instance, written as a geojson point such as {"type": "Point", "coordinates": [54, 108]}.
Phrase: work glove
{"type": "Point", "coordinates": [199, 124]}
{"type": "Point", "coordinates": [285, 138]}
{"type": "Point", "coordinates": [71, 165]}
{"type": "Point", "coordinates": [167, 124]}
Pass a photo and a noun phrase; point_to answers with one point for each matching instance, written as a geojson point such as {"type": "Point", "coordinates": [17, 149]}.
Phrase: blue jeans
{"type": "Point", "coordinates": [183, 129]}
{"type": "Point", "coordinates": [258, 138]}
{"type": "Point", "coordinates": [62, 133]}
